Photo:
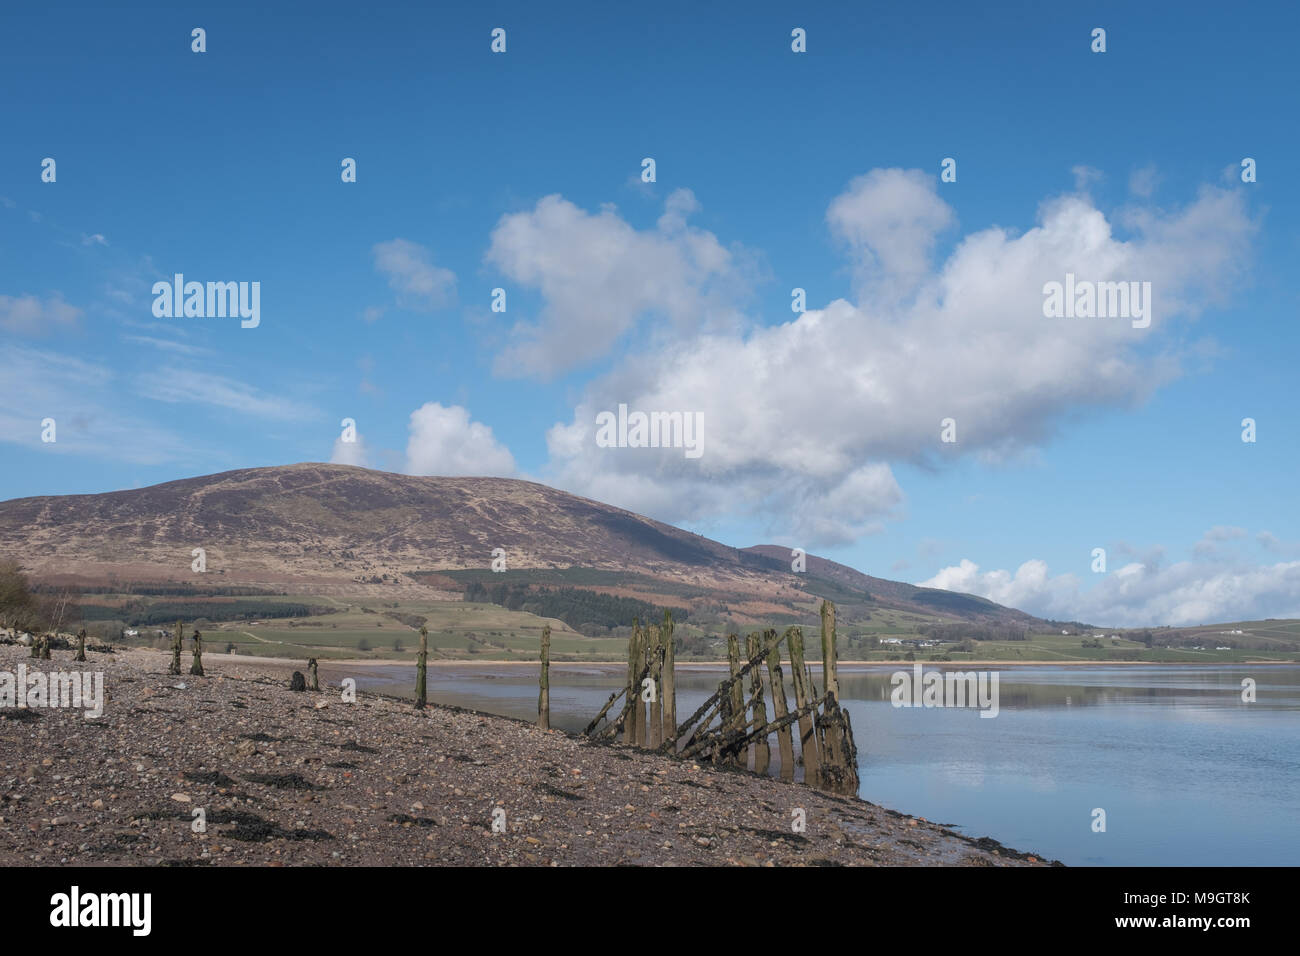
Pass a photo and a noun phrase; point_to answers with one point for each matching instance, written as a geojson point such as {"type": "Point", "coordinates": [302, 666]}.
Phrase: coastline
{"type": "Point", "coordinates": [300, 662]}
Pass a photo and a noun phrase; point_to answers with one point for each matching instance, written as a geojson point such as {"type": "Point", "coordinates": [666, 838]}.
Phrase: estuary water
{"type": "Point", "coordinates": [1186, 771]}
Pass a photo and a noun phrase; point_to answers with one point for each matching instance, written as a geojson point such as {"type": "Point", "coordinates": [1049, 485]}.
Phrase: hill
{"type": "Point", "coordinates": [342, 530]}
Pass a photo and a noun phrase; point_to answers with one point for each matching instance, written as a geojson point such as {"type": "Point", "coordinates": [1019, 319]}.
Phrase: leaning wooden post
{"type": "Point", "coordinates": [196, 666]}
{"type": "Point", "coordinates": [737, 693]}
{"type": "Point", "coordinates": [807, 730]}
{"type": "Point", "coordinates": [654, 644]}
{"type": "Point", "coordinates": [81, 645]}
{"type": "Point", "coordinates": [775, 680]}
{"type": "Point", "coordinates": [669, 688]}
{"type": "Point", "coordinates": [762, 751]}
{"type": "Point", "coordinates": [176, 649]}
{"type": "Point", "coordinates": [544, 682]}
{"type": "Point", "coordinates": [422, 670]}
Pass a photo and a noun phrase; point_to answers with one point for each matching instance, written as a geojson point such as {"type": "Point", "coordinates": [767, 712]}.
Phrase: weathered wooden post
{"type": "Point", "coordinates": [832, 735]}
{"type": "Point", "coordinates": [840, 757]}
{"type": "Point", "coordinates": [633, 704]}
{"type": "Point", "coordinates": [830, 665]}
{"type": "Point", "coordinates": [737, 696]}
{"type": "Point", "coordinates": [175, 667]}
{"type": "Point", "coordinates": [544, 682]}
{"type": "Point", "coordinates": [421, 670]}
{"type": "Point", "coordinates": [81, 645]}
{"type": "Point", "coordinates": [654, 636]}
{"type": "Point", "coordinates": [669, 683]}
{"type": "Point", "coordinates": [46, 644]}
{"type": "Point", "coordinates": [196, 666]}
{"type": "Point", "coordinates": [642, 705]}
{"type": "Point", "coordinates": [313, 679]}
{"type": "Point", "coordinates": [762, 751]}
{"type": "Point", "coordinates": [785, 744]}
{"type": "Point", "coordinates": [802, 696]}
{"type": "Point", "coordinates": [849, 782]}
{"type": "Point", "coordinates": [35, 653]}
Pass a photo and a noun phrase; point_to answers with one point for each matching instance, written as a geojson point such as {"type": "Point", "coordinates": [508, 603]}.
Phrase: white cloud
{"type": "Point", "coordinates": [204, 388]}
{"type": "Point", "coordinates": [794, 411]}
{"type": "Point", "coordinates": [350, 452]}
{"type": "Point", "coordinates": [1138, 594]}
{"type": "Point", "coordinates": [444, 441]}
{"type": "Point", "coordinates": [29, 315]}
{"type": "Point", "coordinates": [599, 276]}
{"type": "Point", "coordinates": [1217, 535]}
{"type": "Point", "coordinates": [890, 219]}
{"type": "Point", "coordinates": [82, 398]}
{"type": "Point", "coordinates": [93, 240]}
{"type": "Point", "coordinates": [419, 284]}
{"type": "Point", "coordinates": [1085, 176]}
{"type": "Point", "coordinates": [1030, 588]}
{"type": "Point", "coordinates": [1143, 182]}
{"type": "Point", "coordinates": [167, 345]}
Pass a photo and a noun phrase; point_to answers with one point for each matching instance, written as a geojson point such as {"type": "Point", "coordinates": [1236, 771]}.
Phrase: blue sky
{"type": "Point", "coordinates": [774, 170]}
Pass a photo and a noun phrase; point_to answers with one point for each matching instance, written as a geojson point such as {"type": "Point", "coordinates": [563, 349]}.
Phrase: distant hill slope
{"type": "Point", "coordinates": [897, 593]}
{"type": "Point", "coordinates": [336, 526]}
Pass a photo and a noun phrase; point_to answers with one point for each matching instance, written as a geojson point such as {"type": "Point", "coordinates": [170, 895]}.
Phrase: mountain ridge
{"type": "Point", "coordinates": [344, 527]}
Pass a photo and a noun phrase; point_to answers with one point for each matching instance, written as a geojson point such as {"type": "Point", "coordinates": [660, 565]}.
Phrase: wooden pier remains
{"type": "Point", "coordinates": [732, 728]}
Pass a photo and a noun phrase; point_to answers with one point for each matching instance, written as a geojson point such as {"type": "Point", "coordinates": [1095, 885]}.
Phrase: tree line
{"type": "Point", "coordinates": [582, 610]}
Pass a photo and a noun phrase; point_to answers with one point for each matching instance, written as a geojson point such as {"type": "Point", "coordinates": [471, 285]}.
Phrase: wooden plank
{"type": "Point", "coordinates": [722, 693]}
{"type": "Point", "coordinates": [835, 769]}
{"type": "Point", "coordinates": [643, 723]}
{"type": "Point", "coordinates": [586, 731]}
{"type": "Point", "coordinates": [737, 693]}
{"type": "Point", "coordinates": [830, 662]}
{"type": "Point", "coordinates": [785, 746]}
{"type": "Point", "coordinates": [628, 719]}
{"type": "Point", "coordinates": [741, 737]}
{"type": "Point", "coordinates": [808, 748]}
{"type": "Point", "coordinates": [761, 750]}
{"type": "Point", "coordinates": [655, 649]}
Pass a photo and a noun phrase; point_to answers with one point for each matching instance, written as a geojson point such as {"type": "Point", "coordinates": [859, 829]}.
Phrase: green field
{"type": "Point", "coordinates": [389, 630]}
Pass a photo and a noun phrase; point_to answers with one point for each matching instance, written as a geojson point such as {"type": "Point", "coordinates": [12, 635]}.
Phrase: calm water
{"type": "Point", "coordinates": [1186, 772]}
